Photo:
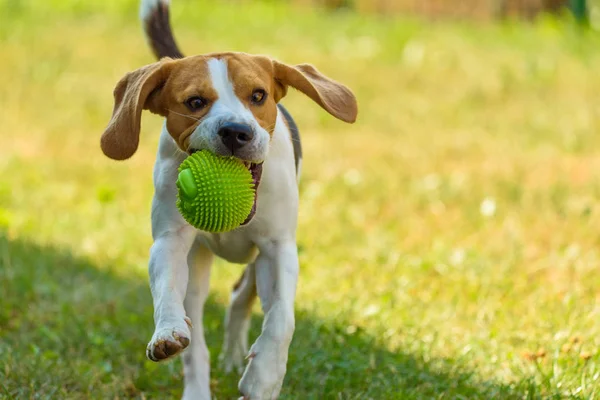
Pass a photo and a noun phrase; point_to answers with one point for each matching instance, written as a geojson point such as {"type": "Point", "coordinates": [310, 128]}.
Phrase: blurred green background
{"type": "Point", "coordinates": [449, 240]}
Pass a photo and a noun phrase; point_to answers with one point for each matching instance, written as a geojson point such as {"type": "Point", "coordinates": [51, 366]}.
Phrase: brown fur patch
{"type": "Point", "coordinates": [187, 79]}
{"type": "Point", "coordinates": [250, 73]}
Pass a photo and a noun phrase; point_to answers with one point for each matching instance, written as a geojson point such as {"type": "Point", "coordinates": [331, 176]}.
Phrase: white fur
{"type": "Point", "coordinates": [268, 243]}
{"type": "Point", "coordinates": [299, 170]}
{"type": "Point", "coordinates": [228, 101]}
{"type": "Point", "coordinates": [147, 6]}
{"type": "Point", "coordinates": [196, 360]}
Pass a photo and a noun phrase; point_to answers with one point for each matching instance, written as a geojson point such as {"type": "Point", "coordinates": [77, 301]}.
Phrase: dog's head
{"type": "Point", "coordinates": [225, 103]}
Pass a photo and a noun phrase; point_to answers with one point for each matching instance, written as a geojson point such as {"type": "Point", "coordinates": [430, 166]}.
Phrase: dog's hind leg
{"type": "Point", "coordinates": [237, 321]}
{"type": "Point", "coordinates": [196, 358]}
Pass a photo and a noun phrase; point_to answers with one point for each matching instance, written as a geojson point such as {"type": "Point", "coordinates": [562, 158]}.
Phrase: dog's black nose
{"type": "Point", "coordinates": [235, 136]}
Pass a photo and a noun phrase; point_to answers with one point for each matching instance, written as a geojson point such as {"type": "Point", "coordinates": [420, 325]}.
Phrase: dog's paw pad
{"type": "Point", "coordinates": [166, 343]}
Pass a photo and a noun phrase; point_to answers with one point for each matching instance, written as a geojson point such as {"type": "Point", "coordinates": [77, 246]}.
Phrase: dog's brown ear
{"type": "Point", "coordinates": [334, 97]}
{"type": "Point", "coordinates": [136, 91]}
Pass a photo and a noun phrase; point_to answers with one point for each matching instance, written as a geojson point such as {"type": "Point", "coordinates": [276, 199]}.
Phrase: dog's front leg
{"type": "Point", "coordinates": [168, 283]}
{"type": "Point", "coordinates": [276, 278]}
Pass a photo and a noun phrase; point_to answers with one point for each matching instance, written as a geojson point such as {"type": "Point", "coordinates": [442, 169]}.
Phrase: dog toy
{"type": "Point", "coordinates": [215, 194]}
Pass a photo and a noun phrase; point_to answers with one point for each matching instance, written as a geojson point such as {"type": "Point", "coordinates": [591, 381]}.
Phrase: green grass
{"type": "Point", "coordinates": [449, 240]}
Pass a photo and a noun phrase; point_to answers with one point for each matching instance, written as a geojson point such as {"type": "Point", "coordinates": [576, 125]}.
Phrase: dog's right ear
{"type": "Point", "coordinates": [136, 91]}
{"type": "Point", "coordinates": [334, 97]}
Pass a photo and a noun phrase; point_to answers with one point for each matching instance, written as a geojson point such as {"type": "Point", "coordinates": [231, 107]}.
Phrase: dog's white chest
{"type": "Point", "coordinates": [233, 246]}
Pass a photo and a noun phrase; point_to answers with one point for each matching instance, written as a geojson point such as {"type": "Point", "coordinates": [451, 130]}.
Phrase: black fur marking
{"type": "Point", "coordinates": [160, 36]}
{"type": "Point", "coordinates": [295, 134]}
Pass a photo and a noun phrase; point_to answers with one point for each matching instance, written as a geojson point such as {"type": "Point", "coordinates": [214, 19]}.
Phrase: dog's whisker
{"type": "Point", "coordinates": [184, 115]}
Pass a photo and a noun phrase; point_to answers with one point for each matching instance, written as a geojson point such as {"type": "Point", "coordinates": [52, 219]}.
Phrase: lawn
{"type": "Point", "coordinates": [449, 240]}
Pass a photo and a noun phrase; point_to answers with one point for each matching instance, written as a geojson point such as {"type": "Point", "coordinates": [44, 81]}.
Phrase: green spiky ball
{"type": "Point", "coordinates": [215, 194]}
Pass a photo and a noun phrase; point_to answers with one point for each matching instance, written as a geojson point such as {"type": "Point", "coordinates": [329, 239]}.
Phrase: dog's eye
{"type": "Point", "coordinates": [258, 96]}
{"type": "Point", "coordinates": [196, 103]}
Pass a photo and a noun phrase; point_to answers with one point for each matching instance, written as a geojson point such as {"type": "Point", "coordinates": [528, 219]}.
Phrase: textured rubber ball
{"type": "Point", "coordinates": [215, 194]}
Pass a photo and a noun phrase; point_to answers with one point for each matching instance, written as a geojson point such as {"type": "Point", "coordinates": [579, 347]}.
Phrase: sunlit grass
{"type": "Point", "coordinates": [448, 240]}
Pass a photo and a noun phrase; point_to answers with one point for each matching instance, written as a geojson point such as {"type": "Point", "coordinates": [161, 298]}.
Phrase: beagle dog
{"type": "Point", "coordinates": [226, 103]}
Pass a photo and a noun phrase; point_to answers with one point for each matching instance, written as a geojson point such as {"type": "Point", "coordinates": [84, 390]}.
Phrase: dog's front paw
{"type": "Point", "coordinates": [264, 374]}
{"type": "Point", "coordinates": [169, 341]}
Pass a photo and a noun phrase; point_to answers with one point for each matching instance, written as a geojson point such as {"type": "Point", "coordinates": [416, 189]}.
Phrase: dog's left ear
{"type": "Point", "coordinates": [334, 97]}
{"type": "Point", "coordinates": [136, 91]}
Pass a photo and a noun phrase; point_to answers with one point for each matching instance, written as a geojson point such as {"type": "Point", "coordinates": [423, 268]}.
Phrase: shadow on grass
{"type": "Point", "coordinates": [72, 329]}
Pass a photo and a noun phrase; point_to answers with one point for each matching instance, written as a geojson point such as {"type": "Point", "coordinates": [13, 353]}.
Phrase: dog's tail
{"type": "Point", "coordinates": [157, 27]}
